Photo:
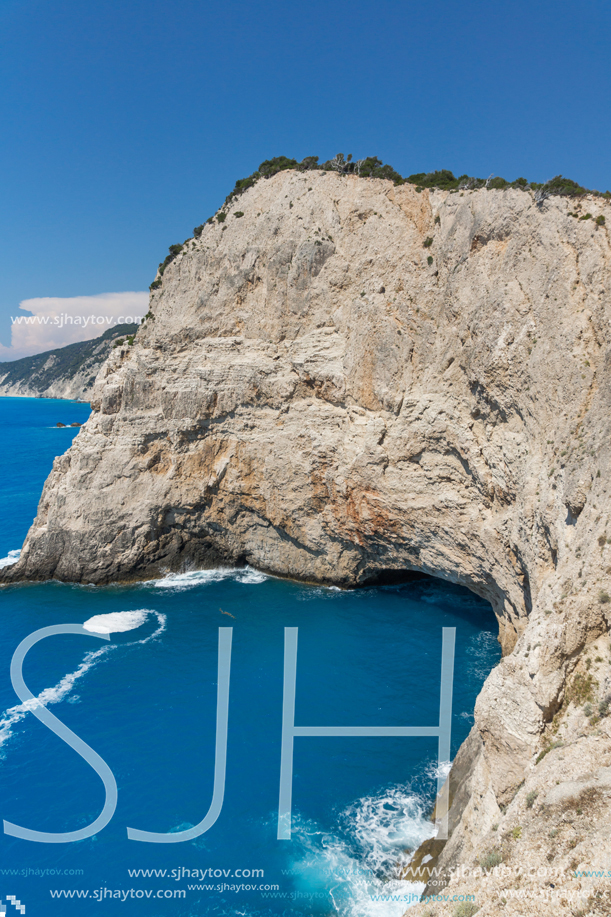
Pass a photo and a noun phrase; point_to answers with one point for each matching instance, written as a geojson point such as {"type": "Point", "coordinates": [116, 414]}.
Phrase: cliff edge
{"type": "Point", "coordinates": [345, 377]}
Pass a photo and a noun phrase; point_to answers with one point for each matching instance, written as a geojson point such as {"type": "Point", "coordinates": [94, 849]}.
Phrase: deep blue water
{"type": "Point", "coordinates": [146, 702]}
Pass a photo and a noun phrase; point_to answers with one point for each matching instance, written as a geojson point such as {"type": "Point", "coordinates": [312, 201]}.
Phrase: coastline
{"type": "Point", "coordinates": [323, 419]}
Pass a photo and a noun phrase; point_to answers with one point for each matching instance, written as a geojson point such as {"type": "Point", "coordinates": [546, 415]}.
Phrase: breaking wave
{"type": "Point", "coordinates": [360, 864]}
{"type": "Point", "coordinates": [189, 580]}
{"type": "Point", "coordinates": [11, 558]}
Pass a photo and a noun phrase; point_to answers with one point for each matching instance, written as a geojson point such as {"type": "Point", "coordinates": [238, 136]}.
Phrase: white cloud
{"type": "Point", "coordinates": [58, 321]}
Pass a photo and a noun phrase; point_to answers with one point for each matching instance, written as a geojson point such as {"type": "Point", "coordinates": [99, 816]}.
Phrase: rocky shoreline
{"type": "Point", "coordinates": [343, 379]}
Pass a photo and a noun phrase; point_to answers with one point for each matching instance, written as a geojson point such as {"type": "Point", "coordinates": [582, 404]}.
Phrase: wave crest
{"type": "Point", "coordinates": [192, 578]}
{"type": "Point", "coordinates": [361, 863]}
{"type": "Point", "coordinates": [11, 558]}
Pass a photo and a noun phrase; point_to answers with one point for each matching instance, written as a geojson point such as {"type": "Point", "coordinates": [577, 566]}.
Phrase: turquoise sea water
{"type": "Point", "coordinates": [146, 702]}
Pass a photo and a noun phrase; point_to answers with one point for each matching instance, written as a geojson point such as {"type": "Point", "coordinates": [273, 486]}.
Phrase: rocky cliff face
{"type": "Point", "coordinates": [325, 394]}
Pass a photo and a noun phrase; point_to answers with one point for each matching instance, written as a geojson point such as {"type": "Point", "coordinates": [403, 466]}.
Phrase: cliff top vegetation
{"type": "Point", "coordinates": [443, 179]}
{"type": "Point", "coordinates": [373, 167]}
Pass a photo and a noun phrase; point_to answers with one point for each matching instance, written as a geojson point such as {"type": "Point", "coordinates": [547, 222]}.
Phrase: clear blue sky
{"type": "Point", "coordinates": [124, 123]}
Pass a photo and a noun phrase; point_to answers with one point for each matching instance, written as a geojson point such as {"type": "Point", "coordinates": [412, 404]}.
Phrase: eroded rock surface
{"type": "Point", "coordinates": [314, 398]}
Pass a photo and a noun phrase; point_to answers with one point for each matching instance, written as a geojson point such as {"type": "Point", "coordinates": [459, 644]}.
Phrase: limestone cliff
{"type": "Point", "coordinates": [347, 377]}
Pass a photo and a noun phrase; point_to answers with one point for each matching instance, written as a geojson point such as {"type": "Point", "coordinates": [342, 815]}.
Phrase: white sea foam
{"type": "Point", "coordinates": [11, 558]}
{"type": "Point", "coordinates": [316, 593]}
{"type": "Point", "coordinates": [442, 770]}
{"type": "Point", "coordinates": [433, 771]}
{"type": "Point", "coordinates": [248, 575]}
{"type": "Point", "coordinates": [64, 687]}
{"type": "Point", "coordinates": [363, 858]}
{"type": "Point", "coordinates": [481, 647]}
{"type": "Point", "coordinates": [117, 622]}
{"type": "Point", "coordinates": [386, 825]}
{"type": "Point", "coordinates": [192, 578]}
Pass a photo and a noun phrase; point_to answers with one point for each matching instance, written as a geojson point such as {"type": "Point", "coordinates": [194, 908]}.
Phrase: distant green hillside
{"type": "Point", "coordinates": [73, 364]}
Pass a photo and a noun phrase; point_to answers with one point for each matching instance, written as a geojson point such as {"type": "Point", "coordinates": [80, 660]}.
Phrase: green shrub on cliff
{"type": "Point", "coordinates": [580, 689]}
{"type": "Point", "coordinates": [241, 185]}
{"type": "Point", "coordinates": [465, 909]}
{"type": "Point", "coordinates": [547, 749]}
{"type": "Point", "coordinates": [268, 168]}
{"type": "Point", "coordinates": [491, 859]}
{"type": "Point", "coordinates": [372, 167]}
{"type": "Point", "coordinates": [174, 251]}
{"type": "Point", "coordinates": [279, 164]}
{"type": "Point", "coordinates": [443, 179]}
{"type": "Point", "coordinates": [564, 186]}
{"type": "Point", "coordinates": [498, 182]}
